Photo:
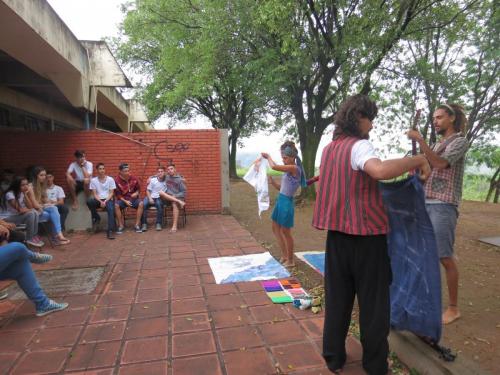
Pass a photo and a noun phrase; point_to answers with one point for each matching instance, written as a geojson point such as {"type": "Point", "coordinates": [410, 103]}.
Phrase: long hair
{"type": "Point", "coordinates": [39, 188]}
{"type": "Point", "coordinates": [460, 122]}
{"type": "Point", "coordinates": [346, 118]}
{"type": "Point", "coordinates": [15, 187]}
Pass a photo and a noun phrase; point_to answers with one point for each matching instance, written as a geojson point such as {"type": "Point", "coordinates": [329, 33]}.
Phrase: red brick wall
{"type": "Point", "coordinates": [196, 154]}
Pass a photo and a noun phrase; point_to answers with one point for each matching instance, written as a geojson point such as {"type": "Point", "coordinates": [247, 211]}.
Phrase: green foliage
{"type": "Point", "coordinates": [475, 187]}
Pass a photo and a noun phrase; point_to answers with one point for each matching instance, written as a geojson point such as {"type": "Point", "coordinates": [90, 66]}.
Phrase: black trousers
{"type": "Point", "coordinates": [357, 265]}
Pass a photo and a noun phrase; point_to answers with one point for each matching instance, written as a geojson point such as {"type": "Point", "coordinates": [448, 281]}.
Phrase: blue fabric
{"type": "Point", "coordinates": [283, 212]}
{"type": "Point", "coordinates": [416, 286]}
{"type": "Point", "coordinates": [51, 214]}
{"type": "Point", "coordinates": [15, 265]}
{"type": "Point", "coordinates": [93, 204]}
{"type": "Point", "coordinates": [158, 203]}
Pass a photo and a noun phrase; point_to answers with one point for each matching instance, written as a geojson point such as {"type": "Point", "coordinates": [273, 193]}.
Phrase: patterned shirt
{"type": "Point", "coordinates": [125, 189]}
{"type": "Point", "coordinates": [446, 184]}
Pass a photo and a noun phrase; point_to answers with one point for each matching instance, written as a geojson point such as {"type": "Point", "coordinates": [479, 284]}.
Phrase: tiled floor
{"type": "Point", "coordinates": [157, 310]}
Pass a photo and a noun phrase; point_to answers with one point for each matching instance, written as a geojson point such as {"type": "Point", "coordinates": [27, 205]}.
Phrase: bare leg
{"type": "Point", "coordinates": [452, 313]}
{"type": "Point", "coordinates": [175, 216]}
{"type": "Point", "coordinates": [86, 187]}
{"type": "Point", "coordinates": [281, 242]}
{"type": "Point", "coordinates": [138, 216]}
{"type": "Point", "coordinates": [72, 191]}
{"type": "Point", "coordinates": [288, 239]}
{"type": "Point", "coordinates": [119, 216]}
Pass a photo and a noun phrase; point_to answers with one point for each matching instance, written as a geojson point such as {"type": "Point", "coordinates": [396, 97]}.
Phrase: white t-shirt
{"type": "Point", "coordinates": [9, 196]}
{"type": "Point", "coordinates": [79, 176]}
{"type": "Point", "coordinates": [55, 192]}
{"type": "Point", "coordinates": [102, 188]}
{"type": "Point", "coordinates": [362, 151]}
{"type": "Point", "coordinates": [155, 186]}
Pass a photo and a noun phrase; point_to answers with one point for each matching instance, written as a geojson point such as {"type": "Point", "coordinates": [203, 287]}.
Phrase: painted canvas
{"type": "Point", "coordinates": [249, 267]}
{"type": "Point", "coordinates": [315, 259]}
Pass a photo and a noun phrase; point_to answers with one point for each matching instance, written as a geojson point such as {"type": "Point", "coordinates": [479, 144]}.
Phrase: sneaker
{"type": "Point", "coordinates": [35, 243]}
{"type": "Point", "coordinates": [158, 227]}
{"type": "Point", "coordinates": [51, 307]}
{"type": "Point", "coordinates": [137, 229]}
{"type": "Point", "coordinates": [119, 230]}
{"type": "Point", "coordinates": [3, 294]}
{"type": "Point", "coordinates": [110, 236]}
{"type": "Point", "coordinates": [144, 227]}
{"type": "Point", "coordinates": [38, 258]}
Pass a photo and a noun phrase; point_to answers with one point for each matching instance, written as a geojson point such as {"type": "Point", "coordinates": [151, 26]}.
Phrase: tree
{"type": "Point", "coordinates": [195, 64]}
{"type": "Point", "coordinates": [327, 50]}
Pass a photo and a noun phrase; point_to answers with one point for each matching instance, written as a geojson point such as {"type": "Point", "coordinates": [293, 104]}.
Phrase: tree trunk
{"type": "Point", "coordinates": [494, 186]}
{"type": "Point", "coordinates": [233, 143]}
{"type": "Point", "coordinates": [309, 148]}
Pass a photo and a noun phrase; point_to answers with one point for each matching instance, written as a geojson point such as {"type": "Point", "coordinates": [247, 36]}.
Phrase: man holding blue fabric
{"type": "Point", "coordinates": [349, 205]}
{"type": "Point", "coordinates": [443, 190]}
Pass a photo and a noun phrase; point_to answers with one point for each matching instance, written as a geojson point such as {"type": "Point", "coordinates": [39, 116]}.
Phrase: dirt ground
{"type": "Point", "coordinates": [477, 334]}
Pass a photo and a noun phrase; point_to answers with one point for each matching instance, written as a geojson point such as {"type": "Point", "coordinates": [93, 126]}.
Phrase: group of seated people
{"type": "Point", "coordinates": [26, 201]}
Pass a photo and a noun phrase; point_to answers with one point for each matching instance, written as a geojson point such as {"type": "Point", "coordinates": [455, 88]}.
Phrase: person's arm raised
{"type": "Point", "coordinates": [387, 169]}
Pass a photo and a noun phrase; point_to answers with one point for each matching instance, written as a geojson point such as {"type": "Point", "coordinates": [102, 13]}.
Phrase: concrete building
{"type": "Point", "coordinates": [50, 80]}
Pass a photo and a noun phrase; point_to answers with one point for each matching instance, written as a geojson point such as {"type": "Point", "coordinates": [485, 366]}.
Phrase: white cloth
{"type": "Point", "coordinates": [257, 177]}
{"type": "Point", "coordinates": [55, 192]}
{"type": "Point", "coordinates": [155, 186]}
{"type": "Point", "coordinates": [102, 188]}
{"type": "Point", "coordinates": [9, 196]}
{"type": "Point", "coordinates": [79, 176]}
{"type": "Point", "coordinates": [362, 151]}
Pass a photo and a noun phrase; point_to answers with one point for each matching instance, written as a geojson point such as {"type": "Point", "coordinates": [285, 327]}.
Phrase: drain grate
{"type": "Point", "coordinates": [63, 282]}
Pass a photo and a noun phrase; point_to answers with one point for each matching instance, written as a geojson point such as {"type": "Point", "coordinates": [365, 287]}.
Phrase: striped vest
{"type": "Point", "coordinates": [347, 201]}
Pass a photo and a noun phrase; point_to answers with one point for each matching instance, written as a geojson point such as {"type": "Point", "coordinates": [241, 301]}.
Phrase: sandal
{"type": "Point", "coordinates": [173, 230]}
{"type": "Point", "coordinates": [62, 242]}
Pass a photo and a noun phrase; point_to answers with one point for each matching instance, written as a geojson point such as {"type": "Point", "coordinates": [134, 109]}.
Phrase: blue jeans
{"type": "Point", "coordinates": [52, 214]}
{"type": "Point", "coordinates": [93, 204]}
{"type": "Point", "coordinates": [15, 265]}
{"type": "Point", "coordinates": [416, 286]}
{"type": "Point", "coordinates": [158, 203]}
{"type": "Point", "coordinates": [444, 221]}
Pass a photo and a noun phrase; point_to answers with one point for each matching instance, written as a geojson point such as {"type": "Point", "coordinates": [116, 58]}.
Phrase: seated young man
{"type": "Point", "coordinates": [55, 195]}
{"type": "Point", "coordinates": [155, 186]}
{"type": "Point", "coordinates": [78, 176]}
{"type": "Point", "coordinates": [127, 195]}
{"type": "Point", "coordinates": [175, 193]}
{"type": "Point", "coordinates": [103, 189]}
{"type": "Point", "coordinates": [15, 259]}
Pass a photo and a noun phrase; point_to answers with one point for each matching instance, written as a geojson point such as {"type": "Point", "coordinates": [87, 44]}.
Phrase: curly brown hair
{"type": "Point", "coordinates": [460, 122]}
{"type": "Point", "coordinates": [346, 118]}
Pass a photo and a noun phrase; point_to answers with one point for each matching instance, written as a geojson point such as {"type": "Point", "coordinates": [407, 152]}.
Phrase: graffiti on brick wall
{"type": "Point", "coordinates": [163, 146]}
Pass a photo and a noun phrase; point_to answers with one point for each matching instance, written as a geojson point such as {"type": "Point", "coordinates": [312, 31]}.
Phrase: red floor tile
{"type": "Point", "coordinates": [228, 301]}
{"type": "Point", "coordinates": [313, 326]}
{"type": "Point", "coordinates": [249, 362]}
{"type": "Point", "coordinates": [156, 282]}
{"type": "Point", "coordinates": [230, 318]}
{"type": "Point", "coordinates": [149, 295]}
{"type": "Point", "coordinates": [67, 317]}
{"type": "Point", "coordinates": [149, 309]}
{"type": "Point", "coordinates": [203, 365]}
{"type": "Point", "coordinates": [220, 289]}
{"type": "Point", "coordinates": [256, 298]}
{"type": "Point", "coordinates": [13, 342]}
{"type": "Point", "coordinates": [189, 306]}
{"type": "Point", "coordinates": [88, 356]}
{"type": "Point", "coordinates": [190, 323]}
{"type": "Point", "coordinates": [239, 338]}
{"type": "Point", "coordinates": [151, 368]}
{"type": "Point", "coordinates": [193, 344]}
{"type": "Point", "coordinates": [297, 357]}
{"type": "Point", "coordinates": [57, 337]}
{"type": "Point", "coordinates": [103, 332]}
{"type": "Point", "coordinates": [146, 327]}
{"type": "Point", "coordinates": [40, 362]}
{"type": "Point", "coordinates": [142, 350]}
{"type": "Point", "coordinates": [186, 291]}
{"type": "Point", "coordinates": [103, 314]}
{"type": "Point", "coordinates": [178, 280]}
{"type": "Point", "coordinates": [280, 332]}
{"type": "Point", "coordinates": [269, 313]}
{"type": "Point", "coordinates": [6, 361]}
